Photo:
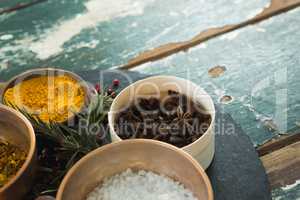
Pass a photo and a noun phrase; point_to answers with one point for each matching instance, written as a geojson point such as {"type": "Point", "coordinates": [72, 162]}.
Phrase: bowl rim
{"type": "Point", "coordinates": [31, 151]}
{"type": "Point", "coordinates": [87, 90]}
{"type": "Point", "coordinates": [213, 112]}
{"type": "Point", "coordinates": [95, 152]}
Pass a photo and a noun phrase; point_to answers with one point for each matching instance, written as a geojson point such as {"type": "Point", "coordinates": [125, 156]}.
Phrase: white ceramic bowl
{"type": "Point", "coordinates": [202, 149]}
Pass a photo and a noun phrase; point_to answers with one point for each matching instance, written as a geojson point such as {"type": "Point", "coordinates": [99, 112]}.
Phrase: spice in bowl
{"type": "Point", "coordinates": [11, 160]}
{"type": "Point", "coordinates": [146, 185]}
{"type": "Point", "coordinates": [50, 98]}
{"type": "Point", "coordinates": [173, 118]}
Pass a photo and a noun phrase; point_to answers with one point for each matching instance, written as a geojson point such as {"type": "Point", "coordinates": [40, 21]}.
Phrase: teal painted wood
{"type": "Point", "coordinates": [4, 4]}
{"type": "Point", "coordinates": [291, 192]}
{"type": "Point", "coordinates": [101, 34]}
{"type": "Point", "coordinates": [262, 74]}
{"type": "Point", "coordinates": [76, 35]}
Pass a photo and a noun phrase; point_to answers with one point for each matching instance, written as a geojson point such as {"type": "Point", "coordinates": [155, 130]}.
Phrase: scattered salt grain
{"type": "Point", "coordinates": [140, 185]}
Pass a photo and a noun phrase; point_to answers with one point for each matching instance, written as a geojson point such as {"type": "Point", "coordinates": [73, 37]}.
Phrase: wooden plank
{"type": "Point", "coordinates": [283, 165]}
{"type": "Point", "coordinates": [276, 7]}
{"type": "Point", "coordinates": [281, 159]}
{"type": "Point", "coordinates": [277, 143]}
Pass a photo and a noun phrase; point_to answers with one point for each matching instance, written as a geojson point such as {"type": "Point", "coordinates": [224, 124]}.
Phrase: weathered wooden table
{"type": "Point", "coordinates": [244, 53]}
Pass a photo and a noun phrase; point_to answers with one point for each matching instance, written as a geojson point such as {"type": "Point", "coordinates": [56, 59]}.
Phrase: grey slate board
{"type": "Point", "coordinates": [236, 172]}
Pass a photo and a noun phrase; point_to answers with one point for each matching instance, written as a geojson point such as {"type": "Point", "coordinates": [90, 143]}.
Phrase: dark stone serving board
{"type": "Point", "coordinates": [236, 172]}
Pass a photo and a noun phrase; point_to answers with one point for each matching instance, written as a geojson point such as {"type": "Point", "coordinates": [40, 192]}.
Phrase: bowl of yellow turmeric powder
{"type": "Point", "coordinates": [50, 94]}
{"type": "Point", "coordinates": [17, 154]}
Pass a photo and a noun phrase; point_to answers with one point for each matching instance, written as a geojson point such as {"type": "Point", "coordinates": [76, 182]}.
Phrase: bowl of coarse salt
{"type": "Point", "coordinates": [137, 169]}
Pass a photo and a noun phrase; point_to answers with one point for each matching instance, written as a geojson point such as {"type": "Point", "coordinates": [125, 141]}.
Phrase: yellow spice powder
{"type": "Point", "coordinates": [11, 160]}
{"type": "Point", "coordinates": [51, 98]}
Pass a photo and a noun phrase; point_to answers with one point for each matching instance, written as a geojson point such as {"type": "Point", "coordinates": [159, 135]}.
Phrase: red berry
{"type": "Point", "coordinates": [98, 88]}
{"type": "Point", "coordinates": [109, 91]}
{"type": "Point", "coordinates": [113, 94]}
{"type": "Point", "coordinates": [116, 82]}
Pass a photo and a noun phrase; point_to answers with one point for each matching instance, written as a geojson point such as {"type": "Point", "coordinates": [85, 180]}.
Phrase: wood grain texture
{"type": "Point", "coordinates": [283, 166]}
{"type": "Point", "coordinates": [276, 7]}
{"type": "Point", "coordinates": [277, 143]}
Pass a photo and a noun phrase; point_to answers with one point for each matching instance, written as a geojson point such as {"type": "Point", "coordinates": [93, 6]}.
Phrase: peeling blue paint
{"type": "Point", "coordinates": [287, 193]}
{"type": "Point", "coordinates": [132, 27]}
{"type": "Point", "coordinates": [262, 74]}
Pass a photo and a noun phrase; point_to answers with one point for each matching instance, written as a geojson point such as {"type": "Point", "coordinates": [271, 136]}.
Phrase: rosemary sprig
{"type": "Point", "coordinates": [60, 146]}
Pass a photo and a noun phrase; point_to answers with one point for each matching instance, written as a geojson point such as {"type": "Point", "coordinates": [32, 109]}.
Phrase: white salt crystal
{"type": "Point", "coordinates": [141, 185]}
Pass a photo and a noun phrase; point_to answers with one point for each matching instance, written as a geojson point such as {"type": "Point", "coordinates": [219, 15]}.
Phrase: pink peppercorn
{"type": "Point", "coordinates": [113, 94]}
{"type": "Point", "coordinates": [116, 82]}
{"type": "Point", "coordinates": [109, 91]}
{"type": "Point", "coordinates": [97, 88]}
